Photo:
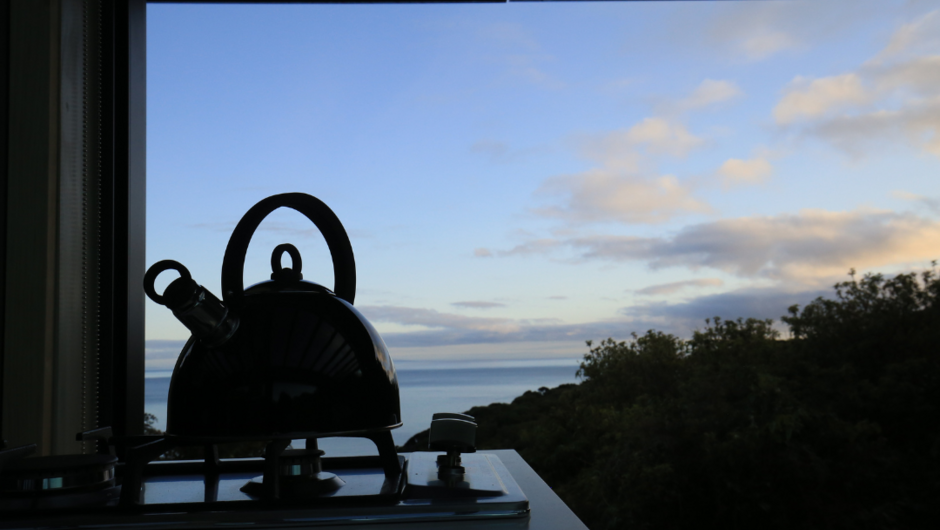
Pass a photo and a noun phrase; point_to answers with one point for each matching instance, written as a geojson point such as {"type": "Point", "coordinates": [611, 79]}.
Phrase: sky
{"type": "Point", "coordinates": [517, 179]}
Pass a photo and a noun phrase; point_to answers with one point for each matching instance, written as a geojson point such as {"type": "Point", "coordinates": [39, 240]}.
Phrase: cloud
{"type": "Point", "coordinates": [226, 226]}
{"type": "Point", "coordinates": [669, 288]}
{"type": "Point", "coordinates": [482, 252]}
{"type": "Point", "coordinates": [162, 354]}
{"type": "Point", "coordinates": [500, 152]}
{"type": "Point", "coordinates": [431, 318]}
{"type": "Point", "coordinates": [659, 136]}
{"type": "Point", "coordinates": [495, 150]}
{"type": "Point", "coordinates": [602, 195]}
{"type": "Point", "coordinates": [620, 190]}
{"type": "Point", "coordinates": [679, 318]}
{"type": "Point", "coordinates": [892, 98]}
{"type": "Point", "coordinates": [624, 149]}
{"type": "Point", "coordinates": [803, 247]}
{"type": "Point", "coordinates": [478, 304]}
{"type": "Point", "coordinates": [301, 229]}
{"type": "Point", "coordinates": [617, 85]}
{"type": "Point", "coordinates": [918, 36]}
{"type": "Point", "coordinates": [763, 303]}
{"type": "Point", "coordinates": [758, 31]}
{"type": "Point", "coordinates": [932, 204]}
{"type": "Point", "coordinates": [815, 98]}
{"type": "Point", "coordinates": [526, 68]}
{"type": "Point", "coordinates": [762, 45]}
{"type": "Point", "coordinates": [918, 126]}
{"type": "Point", "coordinates": [519, 52]}
{"type": "Point", "coordinates": [449, 329]}
{"type": "Point", "coordinates": [735, 171]}
{"type": "Point", "coordinates": [919, 76]}
{"type": "Point", "coordinates": [535, 246]}
{"type": "Point", "coordinates": [710, 92]}
{"type": "Point", "coordinates": [510, 36]}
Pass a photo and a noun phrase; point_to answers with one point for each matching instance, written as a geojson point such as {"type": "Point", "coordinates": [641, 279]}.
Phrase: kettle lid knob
{"type": "Point", "coordinates": [289, 274]}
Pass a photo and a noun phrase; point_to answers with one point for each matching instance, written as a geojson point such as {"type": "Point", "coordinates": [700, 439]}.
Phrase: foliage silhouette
{"type": "Point", "coordinates": [837, 426]}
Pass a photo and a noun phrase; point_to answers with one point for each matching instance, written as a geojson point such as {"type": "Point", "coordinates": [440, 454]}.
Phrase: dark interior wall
{"type": "Point", "coordinates": [4, 138]}
{"type": "Point", "coordinates": [32, 165]}
{"type": "Point", "coordinates": [73, 215]}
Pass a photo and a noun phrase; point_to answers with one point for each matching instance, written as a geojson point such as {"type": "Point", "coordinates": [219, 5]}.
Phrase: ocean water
{"type": "Point", "coordinates": [425, 387]}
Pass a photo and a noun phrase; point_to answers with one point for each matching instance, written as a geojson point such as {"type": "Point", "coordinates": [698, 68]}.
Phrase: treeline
{"type": "Point", "coordinates": [836, 426]}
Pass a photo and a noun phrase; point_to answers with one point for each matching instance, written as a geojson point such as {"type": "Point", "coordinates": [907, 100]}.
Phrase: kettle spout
{"type": "Point", "coordinates": [192, 304]}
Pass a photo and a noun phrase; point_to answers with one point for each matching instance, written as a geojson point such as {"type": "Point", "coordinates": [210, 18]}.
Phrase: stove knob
{"type": "Point", "coordinates": [452, 434]}
{"type": "Point", "coordinates": [452, 415]}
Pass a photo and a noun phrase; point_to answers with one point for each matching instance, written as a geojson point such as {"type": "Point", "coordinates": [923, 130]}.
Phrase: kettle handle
{"type": "Point", "coordinates": [344, 263]}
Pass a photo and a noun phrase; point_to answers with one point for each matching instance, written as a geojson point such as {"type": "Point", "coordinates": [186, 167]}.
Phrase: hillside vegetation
{"type": "Point", "coordinates": [838, 426]}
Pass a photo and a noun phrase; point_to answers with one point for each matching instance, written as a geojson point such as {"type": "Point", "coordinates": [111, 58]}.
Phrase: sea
{"type": "Point", "coordinates": [425, 387]}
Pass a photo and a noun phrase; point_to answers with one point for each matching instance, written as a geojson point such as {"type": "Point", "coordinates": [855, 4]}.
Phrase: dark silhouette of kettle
{"type": "Point", "coordinates": [285, 358]}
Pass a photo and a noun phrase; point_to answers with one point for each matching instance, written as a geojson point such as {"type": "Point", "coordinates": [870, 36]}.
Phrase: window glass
{"type": "Point", "coordinates": [517, 179]}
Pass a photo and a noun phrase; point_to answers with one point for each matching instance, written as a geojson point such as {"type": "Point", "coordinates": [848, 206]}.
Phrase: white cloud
{"type": "Point", "coordinates": [813, 99]}
{"type": "Point", "coordinates": [624, 149]}
{"type": "Point", "coordinates": [482, 252]}
{"type": "Point", "coordinates": [660, 136]}
{"type": "Point", "coordinates": [673, 287]}
{"type": "Point", "coordinates": [601, 195]}
{"type": "Point", "coordinates": [620, 190]}
{"type": "Point", "coordinates": [735, 171]}
{"type": "Point", "coordinates": [710, 92]}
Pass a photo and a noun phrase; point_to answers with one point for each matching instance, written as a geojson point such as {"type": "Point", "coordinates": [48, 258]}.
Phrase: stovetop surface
{"type": "Point", "coordinates": [178, 495]}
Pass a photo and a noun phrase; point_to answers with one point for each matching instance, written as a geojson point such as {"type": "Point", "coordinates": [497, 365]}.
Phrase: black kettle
{"type": "Point", "coordinates": [283, 359]}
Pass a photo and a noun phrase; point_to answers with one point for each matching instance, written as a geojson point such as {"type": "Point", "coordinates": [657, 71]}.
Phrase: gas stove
{"type": "Point", "coordinates": [455, 487]}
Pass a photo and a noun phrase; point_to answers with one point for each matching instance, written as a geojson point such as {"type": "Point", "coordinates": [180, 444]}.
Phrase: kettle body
{"type": "Point", "coordinates": [285, 358]}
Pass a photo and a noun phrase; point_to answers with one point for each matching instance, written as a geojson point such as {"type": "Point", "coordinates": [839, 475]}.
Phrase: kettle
{"type": "Point", "coordinates": [285, 358]}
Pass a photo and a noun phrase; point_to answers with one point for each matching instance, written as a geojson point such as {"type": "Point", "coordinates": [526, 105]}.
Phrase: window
{"type": "Point", "coordinates": [532, 176]}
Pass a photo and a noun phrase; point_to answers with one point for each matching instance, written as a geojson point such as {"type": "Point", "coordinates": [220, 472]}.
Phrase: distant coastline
{"type": "Point", "coordinates": [427, 387]}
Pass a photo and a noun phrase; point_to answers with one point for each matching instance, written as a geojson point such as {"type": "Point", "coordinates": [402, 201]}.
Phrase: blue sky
{"type": "Point", "coordinates": [519, 178]}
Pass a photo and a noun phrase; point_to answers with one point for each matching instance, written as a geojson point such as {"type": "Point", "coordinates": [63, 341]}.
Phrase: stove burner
{"type": "Point", "coordinates": [300, 475]}
{"type": "Point", "coordinates": [64, 481]}
{"type": "Point", "coordinates": [54, 474]}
